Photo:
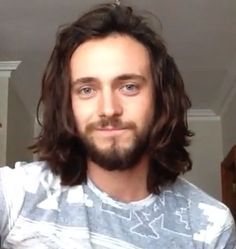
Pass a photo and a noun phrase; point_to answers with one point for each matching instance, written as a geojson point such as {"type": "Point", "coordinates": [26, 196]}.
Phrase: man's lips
{"type": "Point", "coordinates": [110, 131]}
{"type": "Point", "coordinates": [110, 128]}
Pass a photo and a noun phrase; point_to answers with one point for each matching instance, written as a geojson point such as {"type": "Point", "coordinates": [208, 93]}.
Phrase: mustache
{"type": "Point", "coordinates": [113, 122]}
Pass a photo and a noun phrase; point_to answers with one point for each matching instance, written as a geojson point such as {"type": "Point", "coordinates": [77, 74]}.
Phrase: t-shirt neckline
{"type": "Point", "coordinates": [112, 201]}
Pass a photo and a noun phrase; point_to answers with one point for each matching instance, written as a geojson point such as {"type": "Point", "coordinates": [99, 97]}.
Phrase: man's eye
{"type": "Point", "coordinates": [130, 89]}
{"type": "Point", "coordinates": [86, 92]}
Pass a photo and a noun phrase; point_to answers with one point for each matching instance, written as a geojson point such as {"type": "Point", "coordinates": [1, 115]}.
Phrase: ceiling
{"type": "Point", "coordinates": [200, 35]}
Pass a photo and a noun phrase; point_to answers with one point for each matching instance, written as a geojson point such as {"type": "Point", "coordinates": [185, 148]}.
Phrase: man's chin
{"type": "Point", "coordinates": [115, 153]}
{"type": "Point", "coordinates": [113, 158]}
{"type": "Point", "coordinates": [112, 163]}
{"type": "Point", "coordinates": [112, 151]}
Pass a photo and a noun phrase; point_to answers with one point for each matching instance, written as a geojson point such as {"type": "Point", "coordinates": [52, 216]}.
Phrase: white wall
{"type": "Point", "coordinates": [206, 153]}
{"type": "Point", "coordinates": [229, 123]}
{"type": "Point", "coordinates": [20, 130]}
{"type": "Point", "coordinates": [3, 117]}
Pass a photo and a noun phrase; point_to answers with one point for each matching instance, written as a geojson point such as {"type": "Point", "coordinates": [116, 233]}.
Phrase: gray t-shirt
{"type": "Point", "coordinates": [36, 212]}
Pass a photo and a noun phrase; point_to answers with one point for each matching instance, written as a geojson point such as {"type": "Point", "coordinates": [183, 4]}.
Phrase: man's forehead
{"type": "Point", "coordinates": [110, 57]}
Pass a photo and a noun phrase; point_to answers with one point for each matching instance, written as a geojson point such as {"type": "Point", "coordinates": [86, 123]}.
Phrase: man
{"type": "Point", "coordinates": [112, 147]}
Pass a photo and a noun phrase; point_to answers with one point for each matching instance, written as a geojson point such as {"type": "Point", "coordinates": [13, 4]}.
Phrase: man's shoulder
{"type": "Point", "coordinates": [201, 205]}
{"type": "Point", "coordinates": [204, 216]}
{"type": "Point", "coordinates": [36, 167]}
{"type": "Point", "coordinates": [27, 166]}
{"type": "Point", "coordinates": [22, 171]}
{"type": "Point", "coordinates": [195, 194]}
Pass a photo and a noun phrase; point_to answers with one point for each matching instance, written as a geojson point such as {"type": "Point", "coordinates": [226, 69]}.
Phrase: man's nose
{"type": "Point", "coordinates": [109, 104]}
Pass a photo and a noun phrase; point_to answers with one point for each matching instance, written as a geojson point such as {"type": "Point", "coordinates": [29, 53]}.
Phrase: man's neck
{"type": "Point", "coordinates": [126, 186]}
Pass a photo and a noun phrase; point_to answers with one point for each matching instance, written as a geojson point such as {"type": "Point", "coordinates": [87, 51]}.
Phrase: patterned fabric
{"type": "Point", "coordinates": [36, 212]}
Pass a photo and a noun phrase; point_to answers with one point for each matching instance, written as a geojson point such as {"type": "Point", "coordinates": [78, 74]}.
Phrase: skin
{"type": "Point", "coordinates": [111, 78]}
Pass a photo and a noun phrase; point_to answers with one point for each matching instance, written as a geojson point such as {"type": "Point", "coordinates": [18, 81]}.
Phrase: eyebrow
{"type": "Point", "coordinates": [87, 80]}
{"type": "Point", "coordinates": [84, 80]}
{"type": "Point", "coordinates": [131, 77]}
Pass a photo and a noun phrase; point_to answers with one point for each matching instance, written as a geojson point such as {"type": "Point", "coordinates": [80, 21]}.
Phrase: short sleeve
{"type": "Point", "coordinates": [227, 238]}
{"type": "Point", "coordinates": [11, 197]}
{"type": "Point", "coordinates": [231, 242]}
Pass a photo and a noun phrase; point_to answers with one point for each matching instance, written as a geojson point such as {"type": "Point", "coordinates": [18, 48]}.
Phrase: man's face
{"type": "Point", "coordinates": [112, 99]}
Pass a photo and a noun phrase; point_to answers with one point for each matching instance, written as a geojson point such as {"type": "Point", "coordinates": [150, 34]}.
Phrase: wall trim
{"type": "Point", "coordinates": [9, 65]}
{"type": "Point", "coordinates": [203, 114]}
{"type": "Point", "coordinates": [6, 68]}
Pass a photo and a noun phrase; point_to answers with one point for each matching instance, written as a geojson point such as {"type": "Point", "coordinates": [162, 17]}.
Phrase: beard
{"type": "Point", "coordinates": [115, 156]}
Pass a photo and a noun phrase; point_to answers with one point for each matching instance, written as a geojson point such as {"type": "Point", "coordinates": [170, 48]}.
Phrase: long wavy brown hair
{"type": "Point", "coordinates": [58, 142]}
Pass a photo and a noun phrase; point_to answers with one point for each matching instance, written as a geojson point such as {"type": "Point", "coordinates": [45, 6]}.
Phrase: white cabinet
{"type": "Point", "coordinates": [6, 69]}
